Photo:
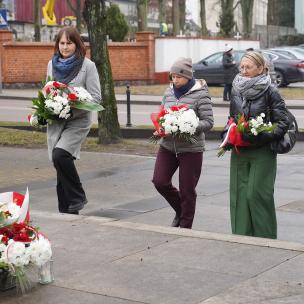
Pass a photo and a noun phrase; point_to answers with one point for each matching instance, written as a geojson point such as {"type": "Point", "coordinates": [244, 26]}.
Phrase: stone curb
{"type": "Point", "coordinates": [148, 102]}
{"type": "Point", "coordinates": [135, 132]}
{"type": "Point", "coordinates": [230, 238]}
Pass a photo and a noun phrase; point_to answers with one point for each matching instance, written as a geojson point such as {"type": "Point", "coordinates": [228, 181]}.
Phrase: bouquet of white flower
{"type": "Point", "coordinates": [242, 127]}
{"type": "Point", "coordinates": [55, 101]}
{"type": "Point", "coordinates": [179, 121]}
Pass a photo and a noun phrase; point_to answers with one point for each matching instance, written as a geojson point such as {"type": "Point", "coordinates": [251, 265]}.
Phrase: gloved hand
{"type": "Point", "coordinates": [250, 138]}
{"type": "Point", "coordinates": [265, 137]}
{"type": "Point", "coordinates": [42, 121]}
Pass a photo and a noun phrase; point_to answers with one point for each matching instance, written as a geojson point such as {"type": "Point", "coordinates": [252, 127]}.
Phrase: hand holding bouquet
{"type": "Point", "coordinates": [178, 121]}
{"type": "Point", "coordinates": [244, 129]}
{"type": "Point", "coordinates": [55, 101]}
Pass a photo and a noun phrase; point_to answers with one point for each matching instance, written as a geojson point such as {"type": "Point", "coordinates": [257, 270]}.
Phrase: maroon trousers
{"type": "Point", "coordinates": [183, 201]}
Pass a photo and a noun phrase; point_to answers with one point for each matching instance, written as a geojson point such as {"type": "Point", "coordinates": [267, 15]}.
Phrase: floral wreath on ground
{"type": "Point", "coordinates": [22, 246]}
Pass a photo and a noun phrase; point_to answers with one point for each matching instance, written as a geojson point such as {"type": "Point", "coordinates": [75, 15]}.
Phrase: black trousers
{"type": "Point", "coordinates": [227, 91]}
{"type": "Point", "coordinates": [71, 196]}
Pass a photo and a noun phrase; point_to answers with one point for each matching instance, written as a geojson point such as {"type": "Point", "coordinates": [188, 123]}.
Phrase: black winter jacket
{"type": "Point", "coordinates": [230, 68]}
{"type": "Point", "coordinates": [271, 104]}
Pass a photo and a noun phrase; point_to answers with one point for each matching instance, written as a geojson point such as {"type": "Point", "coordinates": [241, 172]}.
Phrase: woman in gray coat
{"type": "Point", "coordinates": [65, 136]}
{"type": "Point", "coordinates": [176, 153]}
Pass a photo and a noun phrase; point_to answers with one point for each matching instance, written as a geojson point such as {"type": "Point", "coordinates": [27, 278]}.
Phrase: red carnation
{"type": "Point", "coordinates": [72, 97]}
{"type": "Point", "coordinates": [56, 84]}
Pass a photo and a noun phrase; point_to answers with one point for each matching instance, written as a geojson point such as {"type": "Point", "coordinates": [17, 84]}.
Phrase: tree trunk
{"type": "Point", "coordinates": [77, 11]}
{"type": "Point", "coordinates": [281, 12]}
{"type": "Point", "coordinates": [273, 12]}
{"type": "Point", "coordinates": [142, 12]}
{"type": "Point", "coordinates": [94, 14]}
{"type": "Point", "coordinates": [162, 11]}
{"type": "Point", "coordinates": [226, 18]}
{"type": "Point", "coordinates": [247, 13]}
{"type": "Point", "coordinates": [175, 14]}
{"type": "Point", "coordinates": [37, 20]}
{"type": "Point", "coordinates": [182, 14]}
{"type": "Point", "coordinates": [204, 30]}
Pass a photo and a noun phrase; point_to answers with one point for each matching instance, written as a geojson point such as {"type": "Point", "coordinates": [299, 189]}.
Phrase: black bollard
{"type": "Point", "coordinates": [128, 92]}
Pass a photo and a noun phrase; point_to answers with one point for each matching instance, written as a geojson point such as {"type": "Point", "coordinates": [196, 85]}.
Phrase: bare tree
{"type": "Point", "coordinates": [77, 11]}
{"type": "Point", "coordinates": [95, 17]}
{"type": "Point", "coordinates": [204, 30]}
{"type": "Point", "coordinates": [281, 12]}
{"type": "Point", "coordinates": [247, 13]}
{"type": "Point", "coordinates": [182, 14]}
{"type": "Point", "coordinates": [37, 20]}
{"type": "Point", "coordinates": [162, 11]}
{"type": "Point", "coordinates": [142, 12]}
{"type": "Point", "coordinates": [226, 19]}
{"type": "Point", "coordinates": [175, 14]}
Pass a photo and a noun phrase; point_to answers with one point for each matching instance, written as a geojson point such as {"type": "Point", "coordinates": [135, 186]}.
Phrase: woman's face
{"type": "Point", "coordinates": [249, 69]}
{"type": "Point", "coordinates": [178, 80]}
{"type": "Point", "coordinates": [67, 48]}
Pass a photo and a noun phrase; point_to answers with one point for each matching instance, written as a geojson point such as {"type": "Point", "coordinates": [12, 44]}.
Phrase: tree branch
{"type": "Point", "coordinates": [239, 2]}
{"type": "Point", "coordinates": [72, 7]}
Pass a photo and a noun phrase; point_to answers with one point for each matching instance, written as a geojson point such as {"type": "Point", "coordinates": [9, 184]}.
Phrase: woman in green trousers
{"type": "Point", "coordinates": [253, 168]}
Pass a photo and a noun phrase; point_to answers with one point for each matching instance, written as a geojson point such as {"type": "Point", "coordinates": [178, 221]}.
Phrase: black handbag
{"type": "Point", "coordinates": [288, 141]}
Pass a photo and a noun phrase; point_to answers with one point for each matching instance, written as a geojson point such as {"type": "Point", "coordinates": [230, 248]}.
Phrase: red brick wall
{"type": "Point", "coordinates": [27, 62]}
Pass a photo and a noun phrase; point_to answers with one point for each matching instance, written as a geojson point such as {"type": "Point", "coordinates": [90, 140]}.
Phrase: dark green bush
{"type": "Point", "coordinates": [117, 26]}
{"type": "Point", "coordinates": [291, 39]}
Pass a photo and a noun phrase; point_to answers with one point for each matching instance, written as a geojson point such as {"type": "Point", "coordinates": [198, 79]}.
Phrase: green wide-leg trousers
{"type": "Point", "coordinates": [252, 178]}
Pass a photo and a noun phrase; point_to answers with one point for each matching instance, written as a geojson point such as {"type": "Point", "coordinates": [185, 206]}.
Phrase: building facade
{"type": "Point", "coordinates": [299, 13]}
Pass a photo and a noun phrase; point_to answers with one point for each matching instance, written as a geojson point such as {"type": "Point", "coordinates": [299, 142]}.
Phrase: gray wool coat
{"type": "Point", "coordinates": [68, 134]}
{"type": "Point", "coordinates": [198, 99]}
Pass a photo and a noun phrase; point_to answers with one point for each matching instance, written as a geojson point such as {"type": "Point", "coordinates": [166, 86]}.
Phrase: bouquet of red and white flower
{"type": "Point", "coordinates": [237, 130]}
{"type": "Point", "coordinates": [55, 101]}
{"type": "Point", "coordinates": [178, 121]}
{"type": "Point", "coordinates": [21, 244]}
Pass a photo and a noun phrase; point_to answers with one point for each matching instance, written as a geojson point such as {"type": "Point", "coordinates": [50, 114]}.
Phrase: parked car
{"type": "Point", "coordinates": [287, 68]}
{"type": "Point", "coordinates": [296, 53]}
{"type": "Point", "coordinates": [283, 70]}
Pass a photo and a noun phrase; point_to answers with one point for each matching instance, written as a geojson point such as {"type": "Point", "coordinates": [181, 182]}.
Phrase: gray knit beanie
{"type": "Point", "coordinates": [183, 67]}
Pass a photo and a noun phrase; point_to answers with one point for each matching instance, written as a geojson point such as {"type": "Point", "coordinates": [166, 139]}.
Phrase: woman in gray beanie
{"type": "Point", "coordinates": [176, 153]}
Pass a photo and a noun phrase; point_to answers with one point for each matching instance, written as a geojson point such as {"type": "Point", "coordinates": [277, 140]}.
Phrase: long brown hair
{"type": "Point", "coordinates": [72, 35]}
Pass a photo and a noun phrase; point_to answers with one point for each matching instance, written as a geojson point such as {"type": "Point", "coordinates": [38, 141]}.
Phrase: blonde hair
{"type": "Point", "coordinates": [258, 59]}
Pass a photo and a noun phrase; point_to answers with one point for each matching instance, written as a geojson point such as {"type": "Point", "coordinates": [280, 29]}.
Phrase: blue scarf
{"type": "Point", "coordinates": [178, 92]}
{"type": "Point", "coordinates": [65, 70]}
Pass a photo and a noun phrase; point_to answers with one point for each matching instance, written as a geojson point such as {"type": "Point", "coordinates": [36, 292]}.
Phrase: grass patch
{"type": "Point", "coordinates": [124, 146]}
{"type": "Point", "coordinates": [25, 139]}
{"type": "Point", "coordinates": [36, 139]}
{"type": "Point", "coordinates": [287, 93]}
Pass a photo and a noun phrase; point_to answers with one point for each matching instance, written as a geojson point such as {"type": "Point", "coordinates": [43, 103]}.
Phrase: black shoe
{"type": "Point", "coordinates": [76, 207]}
{"type": "Point", "coordinates": [225, 99]}
{"type": "Point", "coordinates": [73, 212]}
{"type": "Point", "coordinates": [176, 221]}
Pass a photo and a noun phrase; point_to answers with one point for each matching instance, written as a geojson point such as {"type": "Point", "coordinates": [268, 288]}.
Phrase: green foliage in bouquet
{"type": "Point", "coordinates": [42, 111]}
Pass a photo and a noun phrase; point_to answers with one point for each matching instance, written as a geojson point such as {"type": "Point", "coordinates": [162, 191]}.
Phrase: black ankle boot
{"type": "Point", "coordinates": [176, 221]}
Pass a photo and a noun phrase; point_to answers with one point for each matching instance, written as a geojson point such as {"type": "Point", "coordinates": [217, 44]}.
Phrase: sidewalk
{"type": "Point", "coordinates": [135, 99]}
{"type": "Point", "coordinates": [121, 250]}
